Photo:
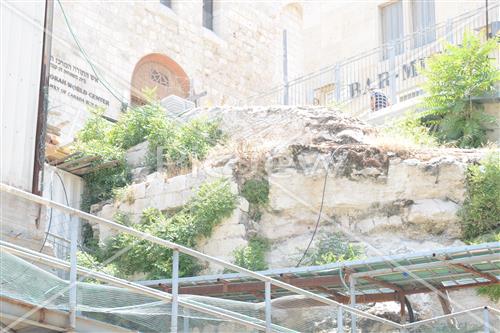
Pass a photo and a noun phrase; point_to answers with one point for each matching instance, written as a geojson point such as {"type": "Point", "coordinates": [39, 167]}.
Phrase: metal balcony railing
{"type": "Point", "coordinates": [392, 68]}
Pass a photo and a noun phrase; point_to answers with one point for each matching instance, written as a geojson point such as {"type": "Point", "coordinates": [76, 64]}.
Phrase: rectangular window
{"type": "Point", "coordinates": [392, 27]}
{"type": "Point", "coordinates": [423, 21]}
{"type": "Point", "coordinates": [208, 14]}
{"type": "Point", "coordinates": [167, 3]}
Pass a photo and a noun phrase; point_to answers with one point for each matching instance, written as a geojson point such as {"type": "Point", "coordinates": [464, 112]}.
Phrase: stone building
{"type": "Point", "coordinates": [335, 30]}
{"type": "Point", "coordinates": [105, 53]}
{"type": "Point", "coordinates": [223, 53]}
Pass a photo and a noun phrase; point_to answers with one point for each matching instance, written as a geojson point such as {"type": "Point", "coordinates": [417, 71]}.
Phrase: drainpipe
{"type": "Point", "coordinates": [43, 94]}
{"type": "Point", "coordinates": [487, 22]}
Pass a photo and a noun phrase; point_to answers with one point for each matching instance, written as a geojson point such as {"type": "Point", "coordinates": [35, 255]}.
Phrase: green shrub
{"type": "Point", "coordinates": [454, 77]}
{"type": "Point", "coordinates": [256, 191]}
{"type": "Point", "coordinates": [89, 261]}
{"type": "Point", "coordinates": [492, 292]}
{"type": "Point", "coordinates": [99, 185]}
{"type": "Point", "coordinates": [411, 129]}
{"type": "Point", "coordinates": [481, 208]}
{"type": "Point", "coordinates": [253, 255]}
{"type": "Point", "coordinates": [212, 203]}
{"type": "Point", "coordinates": [109, 142]}
{"type": "Point", "coordinates": [134, 126]}
{"type": "Point", "coordinates": [332, 248]}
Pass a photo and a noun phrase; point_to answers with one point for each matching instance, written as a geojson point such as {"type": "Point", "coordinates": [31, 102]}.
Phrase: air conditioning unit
{"type": "Point", "coordinates": [177, 107]}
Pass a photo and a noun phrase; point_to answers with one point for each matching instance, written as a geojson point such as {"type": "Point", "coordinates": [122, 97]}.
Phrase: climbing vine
{"type": "Point", "coordinates": [211, 204]}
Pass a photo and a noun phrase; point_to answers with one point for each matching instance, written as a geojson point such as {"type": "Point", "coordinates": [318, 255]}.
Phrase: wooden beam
{"type": "Point", "coordinates": [445, 302]}
{"type": "Point", "coordinates": [402, 309]}
{"type": "Point", "coordinates": [219, 288]}
{"type": "Point", "coordinates": [474, 271]}
{"type": "Point", "coordinates": [334, 295]}
{"type": "Point", "coordinates": [254, 288]}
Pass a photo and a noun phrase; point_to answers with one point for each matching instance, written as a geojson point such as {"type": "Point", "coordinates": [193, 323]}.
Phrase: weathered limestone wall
{"type": "Point", "coordinates": [386, 199]}
{"type": "Point", "coordinates": [371, 193]}
{"type": "Point", "coordinates": [22, 223]}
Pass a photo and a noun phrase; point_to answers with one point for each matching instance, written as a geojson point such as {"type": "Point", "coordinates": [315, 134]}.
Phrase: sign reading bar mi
{"type": "Point", "coordinates": [407, 71]}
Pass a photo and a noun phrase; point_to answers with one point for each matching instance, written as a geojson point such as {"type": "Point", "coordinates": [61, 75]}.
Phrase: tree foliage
{"type": "Point", "coordinates": [212, 203]}
{"type": "Point", "coordinates": [109, 142]}
{"type": "Point", "coordinates": [454, 78]}
{"type": "Point", "coordinates": [481, 209]}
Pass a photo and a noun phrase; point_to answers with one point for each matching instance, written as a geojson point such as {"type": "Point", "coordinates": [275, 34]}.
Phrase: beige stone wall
{"type": "Point", "coordinates": [23, 223]}
{"type": "Point", "coordinates": [239, 58]}
{"type": "Point", "coordinates": [336, 30]}
{"type": "Point", "coordinates": [386, 199]}
{"type": "Point", "coordinates": [371, 193]}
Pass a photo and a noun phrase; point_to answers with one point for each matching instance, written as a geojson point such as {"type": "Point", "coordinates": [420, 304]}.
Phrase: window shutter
{"type": "Point", "coordinates": [392, 26]}
{"type": "Point", "coordinates": [167, 3]}
{"type": "Point", "coordinates": [208, 15]}
{"type": "Point", "coordinates": [424, 20]}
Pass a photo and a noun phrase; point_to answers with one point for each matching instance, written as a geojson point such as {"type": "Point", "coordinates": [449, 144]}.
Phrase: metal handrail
{"type": "Point", "coordinates": [161, 295]}
{"type": "Point", "coordinates": [180, 248]}
{"type": "Point", "coordinates": [164, 296]}
{"type": "Point", "coordinates": [450, 315]}
{"type": "Point", "coordinates": [407, 37]}
{"type": "Point", "coordinates": [301, 89]}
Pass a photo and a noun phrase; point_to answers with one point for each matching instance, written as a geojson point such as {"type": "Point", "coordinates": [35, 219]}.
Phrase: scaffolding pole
{"type": "Point", "coordinates": [268, 306]}
{"type": "Point", "coordinates": [73, 276]}
{"type": "Point", "coordinates": [175, 292]}
{"type": "Point", "coordinates": [352, 291]}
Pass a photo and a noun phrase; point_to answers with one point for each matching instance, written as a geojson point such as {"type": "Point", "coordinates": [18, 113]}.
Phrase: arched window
{"type": "Point", "coordinates": [160, 72]}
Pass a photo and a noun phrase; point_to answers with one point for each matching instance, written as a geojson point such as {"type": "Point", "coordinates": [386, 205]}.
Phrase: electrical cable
{"type": "Point", "coordinates": [50, 215]}
{"type": "Point", "coordinates": [80, 246]}
{"type": "Point", "coordinates": [103, 82]}
{"type": "Point", "coordinates": [46, 233]}
{"type": "Point", "coordinates": [321, 206]}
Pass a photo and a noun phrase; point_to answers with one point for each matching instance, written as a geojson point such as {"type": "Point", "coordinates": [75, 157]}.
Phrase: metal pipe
{"type": "Point", "coordinates": [73, 275]}
{"type": "Point", "coordinates": [352, 291]}
{"type": "Point", "coordinates": [486, 320]}
{"type": "Point", "coordinates": [451, 315]}
{"type": "Point", "coordinates": [337, 83]}
{"type": "Point", "coordinates": [392, 73]}
{"type": "Point", "coordinates": [186, 321]}
{"type": "Point", "coordinates": [340, 320]}
{"type": "Point", "coordinates": [175, 292]}
{"type": "Point", "coordinates": [268, 306]}
{"type": "Point", "coordinates": [487, 21]}
{"type": "Point", "coordinates": [285, 68]}
{"type": "Point", "coordinates": [449, 31]}
{"type": "Point", "coordinates": [142, 235]}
